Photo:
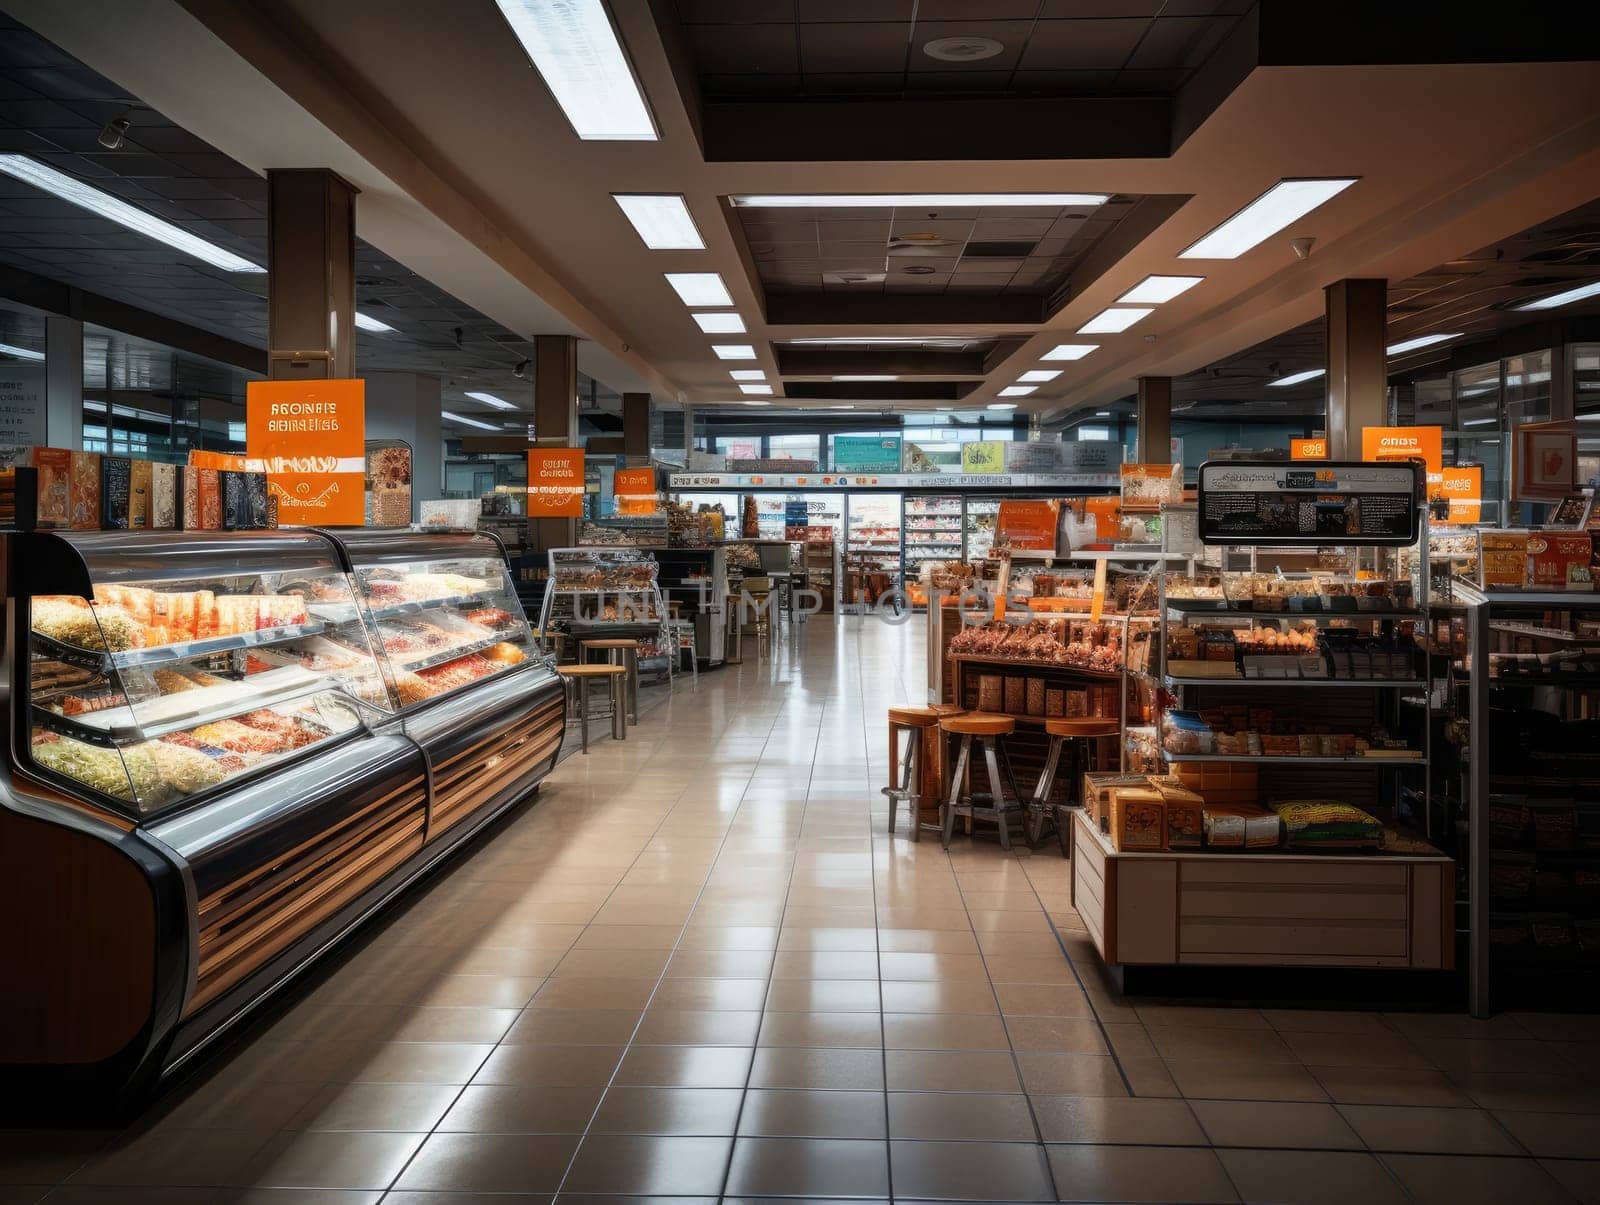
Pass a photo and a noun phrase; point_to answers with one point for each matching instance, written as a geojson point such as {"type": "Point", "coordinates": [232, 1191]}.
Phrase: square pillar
{"type": "Point", "coordinates": [555, 423]}
{"type": "Point", "coordinates": [63, 383]}
{"type": "Point", "coordinates": [636, 428]}
{"type": "Point", "coordinates": [405, 405]}
{"type": "Point", "coordinates": [1153, 435]}
{"type": "Point", "coordinates": [1358, 372]}
{"type": "Point", "coordinates": [311, 275]}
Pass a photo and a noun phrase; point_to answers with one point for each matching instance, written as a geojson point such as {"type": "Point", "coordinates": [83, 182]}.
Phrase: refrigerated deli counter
{"type": "Point", "coordinates": [227, 749]}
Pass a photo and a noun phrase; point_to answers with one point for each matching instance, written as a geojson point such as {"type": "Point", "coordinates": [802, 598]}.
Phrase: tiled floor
{"type": "Point", "coordinates": [699, 968]}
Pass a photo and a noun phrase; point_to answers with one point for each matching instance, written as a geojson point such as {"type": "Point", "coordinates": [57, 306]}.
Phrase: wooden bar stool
{"type": "Point", "coordinates": [577, 678]}
{"type": "Point", "coordinates": [1040, 811]}
{"type": "Point", "coordinates": [623, 653]}
{"type": "Point", "coordinates": [916, 722]}
{"type": "Point", "coordinates": [986, 729]}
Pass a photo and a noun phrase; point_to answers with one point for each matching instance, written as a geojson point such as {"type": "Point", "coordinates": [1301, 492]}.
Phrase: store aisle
{"type": "Point", "coordinates": [700, 968]}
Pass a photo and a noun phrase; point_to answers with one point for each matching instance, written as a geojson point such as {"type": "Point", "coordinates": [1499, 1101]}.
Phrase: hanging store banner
{"type": "Point", "coordinates": [309, 438]}
{"type": "Point", "coordinates": [635, 491]}
{"type": "Point", "coordinates": [983, 456]}
{"type": "Point", "coordinates": [1461, 490]}
{"type": "Point", "coordinates": [1403, 443]}
{"type": "Point", "coordinates": [866, 454]}
{"type": "Point", "coordinates": [1334, 503]}
{"type": "Point", "coordinates": [1308, 449]}
{"type": "Point", "coordinates": [555, 483]}
{"type": "Point", "coordinates": [1027, 523]}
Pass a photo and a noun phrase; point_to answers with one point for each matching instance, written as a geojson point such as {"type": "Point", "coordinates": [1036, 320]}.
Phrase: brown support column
{"type": "Point", "coordinates": [1358, 375]}
{"type": "Point", "coordinates": [636, 428]}
{"type": "Point", "coordinates": [311, 275]}
{"type": "Point", "coordinates": [555, 422]}
{"type": "Point", "coordinates": [1153, 436]}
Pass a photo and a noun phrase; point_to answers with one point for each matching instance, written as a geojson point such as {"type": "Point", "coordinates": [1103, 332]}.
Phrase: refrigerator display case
{"type": "Point", "coordinates": [227, 749]}
{"type": "Point", "coordinates": [932, 531]}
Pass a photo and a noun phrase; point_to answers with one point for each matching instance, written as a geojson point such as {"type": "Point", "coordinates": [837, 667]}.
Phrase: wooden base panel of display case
{"type": "Point", "coordinates": [1262, 909]}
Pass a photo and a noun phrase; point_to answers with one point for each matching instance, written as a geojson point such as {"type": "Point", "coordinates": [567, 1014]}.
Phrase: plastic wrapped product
{"type": "Point", "coordinates": [1240, 826]}
{"type": "Point", "coordinates": [1326, 824]}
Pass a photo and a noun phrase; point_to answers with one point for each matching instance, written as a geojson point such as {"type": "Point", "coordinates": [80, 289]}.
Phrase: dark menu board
{"type": "Point", "coordinates": [1309, 503]}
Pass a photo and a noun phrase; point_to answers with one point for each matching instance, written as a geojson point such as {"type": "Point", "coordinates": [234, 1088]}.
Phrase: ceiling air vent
{"type": "Point", "coordinates": [1014, 249]}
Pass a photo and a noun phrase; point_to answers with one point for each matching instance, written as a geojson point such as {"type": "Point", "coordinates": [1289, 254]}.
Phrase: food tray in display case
{"type": "Point", "coordinates": [227, 749]}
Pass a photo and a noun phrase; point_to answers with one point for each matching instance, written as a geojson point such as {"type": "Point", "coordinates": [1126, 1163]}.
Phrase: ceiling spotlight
{"type": "Point", "coordinates": [488, 399]}
{"type": "Point", "coordinates": [748, 374]}
{"type": "Point", "coordinates": [520, 371]}
{"type": "Point", "coordinates": [1153, 290]}
{"type": "Point", "coordinates": [115, 130]}
{"type": "Point", "coordinates": [1285, 202]}
{"type": "Point", "coordinates": [1037, 376]}
{"type": "Point", "coordinates": [1110, 321]}
{"type": "Point", "coordinates": [1069, 351]}
{"type": "Point", "coordinates": [734, 351]}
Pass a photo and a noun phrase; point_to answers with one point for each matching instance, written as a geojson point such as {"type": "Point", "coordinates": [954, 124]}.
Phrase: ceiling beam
{"type": "Point", "coordinates": [839, 310]}
{"type": "Point", "coordinates": [899, 362]}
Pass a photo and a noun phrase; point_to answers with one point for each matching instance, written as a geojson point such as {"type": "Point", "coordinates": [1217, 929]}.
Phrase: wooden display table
{"type": "Point", "coordinates": [1258, 908]}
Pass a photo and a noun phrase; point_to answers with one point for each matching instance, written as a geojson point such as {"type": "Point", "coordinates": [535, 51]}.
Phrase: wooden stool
{"type": "Point", "coordinates": [933, 763]}
{"type": "Point", "coordinates": [915, 722]}
{"type": "Point", "coordinates": [624, 653]}
{"type": "Point", "coordinates": [1040, 811]}
{"type": "Point", "coordinates": [986, 729]}
{"type": "Point", "coordinates": [577, 679]}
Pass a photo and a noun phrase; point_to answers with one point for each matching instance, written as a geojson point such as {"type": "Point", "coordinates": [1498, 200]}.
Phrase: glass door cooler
{"type": "Point", "coordinates": [227, 749]}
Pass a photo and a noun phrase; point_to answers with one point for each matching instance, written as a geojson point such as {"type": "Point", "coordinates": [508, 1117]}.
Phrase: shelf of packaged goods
{"type": "Point", "coordinates": [188, 650]}
{"type": "Point", "coordinates": [1585, 681]}
{"type": "Point", "coordinates": [1022, 663]}
{"type": "Point", "coordinates": [936, 527]}
{"type": "Point", "coordinates": [579, 591]}
{"type": "Point", "coordinates": [453, 653]}
{"type": "Point", "coordinates": [1128, 554]}
{"type": "Point", "coordinates": [1187, 614]}
{"type": "Point", "coordinates": [1284, 759]}
{"type": "Point", "coordinates": [1370, 683]}
{"type": "Point", "coordinates": [111, 736]}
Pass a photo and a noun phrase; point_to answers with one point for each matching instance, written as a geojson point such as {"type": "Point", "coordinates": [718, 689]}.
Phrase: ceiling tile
{"type": "Point", "coordinates": [727, 12]}
{"type": "Point", "coordinates": [1065, 83]}
{"type": "Point", "coordinates": [1179, 41]}
{"type": "Point", "coordinates": [853, 229]}
{"type": "Point", "coordinates": [1147, 83]}
{"type": "Point", "coordinates": [870, 83]}
{"type": "Point", "coordinates": [852, 46]}
{"type": "Point", "coordinates": [743, 49]}
{"type": "Point", "coordinates": [945, 228]}
{"type": "Point", "coordinates": [1079, 45]}
{"type": "Point", "coordinates": [856, 10]}
{"type": "Point", "coordinates": [1011, 228]}
{"type": "Point", "coordinates": [973, 13]}
{"type": "Point", "coordinates": [980, 265]}
{"type": "Point", "coordinates": [750, 85]}
{"type": "Point", "coordinates": [1101, 8]}
{"type": "Point", "coordinates": [965, 81]}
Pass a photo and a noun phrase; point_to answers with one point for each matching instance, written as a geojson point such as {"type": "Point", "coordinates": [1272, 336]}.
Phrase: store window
{"type": "Point", "coordinates": [1585, 360]}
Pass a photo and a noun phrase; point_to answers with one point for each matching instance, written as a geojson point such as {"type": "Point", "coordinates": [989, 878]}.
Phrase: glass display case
{"type": "Point", "coordinates": [605, 593]}
{"type": "Point", "coordinates": [227, 750]}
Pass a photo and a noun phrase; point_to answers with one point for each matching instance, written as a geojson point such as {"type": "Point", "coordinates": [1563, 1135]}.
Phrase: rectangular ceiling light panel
{"type": "Point", "coordinates": [1284, 203]}
{"type": "Point", "coordinates": [662, 221]}
{"type": "Point", "coordinates": [748, 374]}
{"type": "Point", "coordinates": [20, 353]}
{"type": "Point", "coordinates": [451, 416]}
{"type": "Point", "coordinates": [1038, 376]}
{"type": "Point", "coordinates": [898, 200]}
{"type": "Point", "coordinates": [734, 351]}
{"type": "Point", "coordinates": [1557, 300]}
{"type": "Point", "coordinates": [719, 324]}
{"type": "Point", "coordinates": [756, 390]}
{"type": "Point", "coordinates": [1295, 378]}
{"type": "Point", "coordinates": [76, 192]}
{"type": "Point", "coordinates": [1417, 344]}
{"type": "Point", "coordinates": [1069, 351]}
{"type": "Point", "coordinates": [575, 49]}
{"type": "Point", "coordinates": [699, 288]}
{"type": "Point", "coordinates": [489, 399]}
{"type": "Point", "coordinates": [1017, 390]}
{"type": "Point", "coordinates": [1153, 290]}
{"type": "Point", "coordinates": [1113, 320]}
{"type": "Point", "coordinates": [366, 322]}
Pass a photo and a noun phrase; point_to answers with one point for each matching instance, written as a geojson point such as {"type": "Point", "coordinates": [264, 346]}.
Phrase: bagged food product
{"type": "Point", "coordinates": [1326, 824]}
{"type": "Point", "coordinates": [1240, 826]}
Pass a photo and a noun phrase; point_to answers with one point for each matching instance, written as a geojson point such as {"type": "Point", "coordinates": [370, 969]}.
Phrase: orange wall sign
{"type": "Point", "coordinates": [1403, 443]}
{"type": "Point", "coordinates": [1462, 488]}
{"type": "Point", "coordinates": [310, 439]}
{"type": "Point", "coordinates": [555, 483]}
{"type": "Point", "coordinates": [1308, 449]}
{"type": "Point", "coordinates": [635, 491]}
{"type": "Point", "coordinates": [1027, 523]}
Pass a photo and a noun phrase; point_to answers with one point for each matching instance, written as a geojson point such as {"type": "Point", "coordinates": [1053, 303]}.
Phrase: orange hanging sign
{"type": "Point", "coordinates": [1405, 443]}
{"type": "Point", "coordinates": [309, 438]}
{"type": "Point", "coordinates": [1462, 488]}
{"type": "Point", "coordinates": [1027, 523]}
{"type": "Point", "coordinates": [1308, 449]}
{"type": "Point", "coordinates": [635, 491]}
{"type": "Point", "coordinates": [555, 483]}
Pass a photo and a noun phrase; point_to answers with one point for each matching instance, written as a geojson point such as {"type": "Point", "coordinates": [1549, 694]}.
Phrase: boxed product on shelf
{"type": "Point", "coordinates": [1015, 695]}
{"type": "Point", "coordinates": [1055, 702]}
{"type": "Point", "coordinates": [1503, 560]}
{"type": "Point", "coordinates": [1185, 812]}
{"type": "Point", "coordinates": [1035, 696]}
{"type": "Point", "coordinates": [1138, 819]}
{"type": "Point", "coordinates": [991, 692]}
{"type": "Point", "coordinates": [1221, 782]}
{"type": "Point", "coordinates": [1097, 788]}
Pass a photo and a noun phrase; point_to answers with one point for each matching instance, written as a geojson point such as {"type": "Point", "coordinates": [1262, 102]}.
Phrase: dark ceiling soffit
{"type": "Point", "coordinates": [900, 362]}
{"type": "Point", "coordinates": [902, 309]}
{"type": "Point", "coordinates": [1332, 33]}
{"type": "Point", "coordinates": [923, 129]}
{"type": "Point", "coordinates": [53, 297]}
{"type": "Point", "coordinates": [494, 443]}
{"type": "Point", "coordinates": [1227, 67]}
{"type": "Point", "coordinates": [680, 61]}
{"type": "Point", "coordinates": [879, 391]}
{"type": "Point", "coordinates": [1144, 217]}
